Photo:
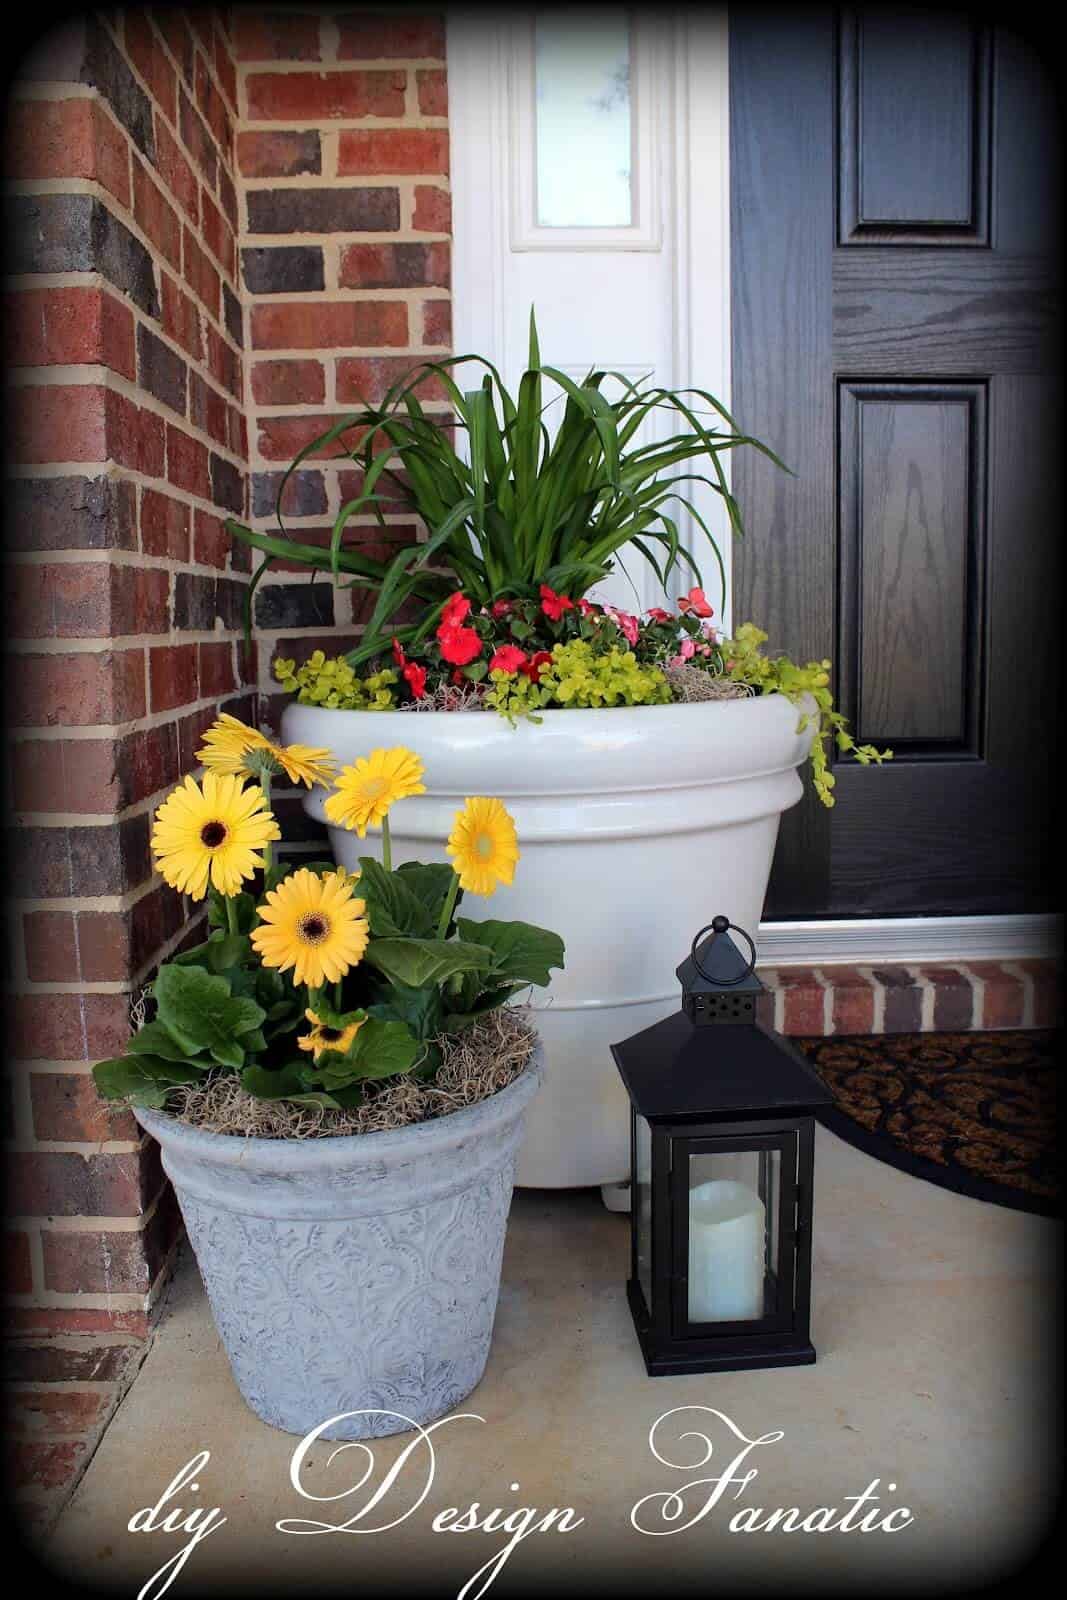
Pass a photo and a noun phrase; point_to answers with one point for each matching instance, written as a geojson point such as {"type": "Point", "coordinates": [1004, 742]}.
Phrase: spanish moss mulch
{"type": "Point", "coordinates": [972, 1112]}
{"type": "Point", "coordinates": [477, 1063]}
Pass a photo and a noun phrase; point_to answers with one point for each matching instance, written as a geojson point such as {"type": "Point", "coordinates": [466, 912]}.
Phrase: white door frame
{"type": "Point", "coordinates": [694, 196]}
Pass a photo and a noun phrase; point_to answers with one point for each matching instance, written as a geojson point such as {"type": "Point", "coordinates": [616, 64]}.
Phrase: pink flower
{"type": "Point", "coordinates": [657, 614]}
{"type": "Point", "coordinates": [696, 602]}
{"type": "Point", "coordinates": [456, 609]}
{"type": "Point", "coordinates": [687, 649]}
{"type": "Point", "coordinates": [509, 658]}
{"type": "Point", "coordinates": [587, 608]}
{"type": "Point", "coordinates": [626, 624]}
{"type": "Point", "coordinates": [554, 605]}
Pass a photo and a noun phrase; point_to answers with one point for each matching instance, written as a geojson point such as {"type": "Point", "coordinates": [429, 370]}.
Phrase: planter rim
{"type": "Point", "coordinates": [273, 1155]}
{"type": "Point", "coordinates": [572, 713]}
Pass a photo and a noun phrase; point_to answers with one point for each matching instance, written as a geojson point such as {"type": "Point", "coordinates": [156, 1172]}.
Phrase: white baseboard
{"type": "Point", "coordinates": [903, 939]}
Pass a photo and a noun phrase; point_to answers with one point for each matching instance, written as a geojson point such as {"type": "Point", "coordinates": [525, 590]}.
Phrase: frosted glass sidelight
{"type": "Point", "coordinates": [584, 137]}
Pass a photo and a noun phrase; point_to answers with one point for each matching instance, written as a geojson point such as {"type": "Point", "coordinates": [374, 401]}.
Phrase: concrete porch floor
{"type": "Point", "coordinates": [933, 1319]}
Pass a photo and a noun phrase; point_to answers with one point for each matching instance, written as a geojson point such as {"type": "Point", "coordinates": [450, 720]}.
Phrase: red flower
{"type": "Point", "coordinates": [458, 677]}
{"type": "Point", "coordinates": [696, 602]}
{"type": "Point", "coordinates": [459, 645]}
{"type": "Point", "coordinates": [455, 611]}
{"type": "Point", "coordinates": [416, 677]}
{"type": "Point", "coordinates": [509, 658]}
{"type": "Point", "coordinates": [657, 614]}
{"type": "Point", "coordinates": [588, 609]}
{"type": "Point", "coordinates": [554, 605]}
{"type": "Point", "coordinates": [501, 608]}
{"type": "Point", "coordinates": [398, 652]}
{"type": "Point", "coordinates": [534, 667]}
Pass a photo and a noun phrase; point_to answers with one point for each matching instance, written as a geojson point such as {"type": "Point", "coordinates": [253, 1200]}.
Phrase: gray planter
{"type": "Point", "coordinates": [353, 1274]}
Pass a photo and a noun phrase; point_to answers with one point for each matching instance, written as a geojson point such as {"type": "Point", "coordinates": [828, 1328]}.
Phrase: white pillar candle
{"type": "Point", "coordinates": [727, 1223]}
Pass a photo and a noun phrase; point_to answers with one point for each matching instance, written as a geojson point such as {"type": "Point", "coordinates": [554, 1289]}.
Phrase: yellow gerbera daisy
{"type": "Point", "coordinates": [483, 845]}
{"type": "Point", "coordinates": [323, 1037]}
{"type": "Point", "coordinates": [212, 834]}
{"type": "Point", "coordinates": [228, 742]}
{"type": "Point", "coordinates": [365, 792]}
{"type": "Point", "coordinates": [313, 925]}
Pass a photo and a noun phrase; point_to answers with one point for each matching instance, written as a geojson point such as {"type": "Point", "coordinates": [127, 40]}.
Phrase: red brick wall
{"type": "Point", "coordinates": [127, 446]}
{"type": "Point", "coordinates": [342, 157]}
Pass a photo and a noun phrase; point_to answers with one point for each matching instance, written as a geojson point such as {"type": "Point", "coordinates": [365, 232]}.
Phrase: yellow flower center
{"type": "Point", "coordinates": [313, 928]}
{"type": "Point", "coordinates": [375, 788]}
{"type": "Point", "coordinates": [483, 844]}
{"type": "Point", "coordinates": [213, 834]}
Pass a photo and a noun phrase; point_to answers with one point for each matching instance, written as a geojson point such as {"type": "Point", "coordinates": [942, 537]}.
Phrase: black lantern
{"type": "Point", "coordinates": [722, 1146]}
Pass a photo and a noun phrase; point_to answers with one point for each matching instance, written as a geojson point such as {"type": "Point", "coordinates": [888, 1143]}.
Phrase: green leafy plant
{"type": "Point", "coordinates": [529, 506]}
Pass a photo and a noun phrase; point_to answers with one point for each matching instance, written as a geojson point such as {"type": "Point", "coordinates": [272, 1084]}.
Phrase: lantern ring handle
{"type": "Point", "coordinates": [715, 927]}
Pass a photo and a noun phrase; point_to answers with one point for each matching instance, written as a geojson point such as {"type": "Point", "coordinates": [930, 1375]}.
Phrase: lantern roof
{"type": "Point", "coordinates": [717, 964]}
{"type": "Point", "coordinates": [678, 1070]}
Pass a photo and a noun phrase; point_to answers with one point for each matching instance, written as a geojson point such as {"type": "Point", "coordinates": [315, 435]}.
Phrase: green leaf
{"type": "Point", "coordinates": [394, 907]}
{"type": "Point", "coordinates": [155, 1040]}
{"type": "Point", "coordinates": [379, 1050]}
{"type": "Point", "coordinates": [521, 953]}
{"type": "Point", "coordinates": [199, 1011]}
{"type": "Point", "coordinates": [144, 1080]}
{"type": "Point", "coordinates": [420, 1009]}
{"type": "Point", "coordinates": [273, 1083]}
{"type": "Point", "coordinates": [431, 882]}
{"type": "Point", "coordinates": [218, 954]}
{"type": "Point", "coordinates": [418, 963]}
{"type": "Point", "coordinates": [489, 1000]}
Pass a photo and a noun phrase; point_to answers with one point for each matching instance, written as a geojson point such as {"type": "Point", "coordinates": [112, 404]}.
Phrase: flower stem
{"type": "Point", "coordinates": [387, 846]}
{"type": "Point", "coordinates": [268, 849]}
{"type": "Point", "coordinates": [337, 1001]}
{"type": "Point", "coordinates": [313, 998]}
{"type": "Point", "coordinates": [448, 907]}
{"type": "Point", "coordinates": [231, 915]}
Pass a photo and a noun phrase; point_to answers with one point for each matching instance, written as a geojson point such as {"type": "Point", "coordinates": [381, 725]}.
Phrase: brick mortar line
{"type": "Point", "coordinates": [313, 182]}
{"type": "Point", "coordinates": [410, 295]}
{"type": "Point", "coordinates": [75, 1147]}
{"type": "Point", "coordinates": [139, 560]}
{"type": "Point", "coordinates": [977, 993]}
{"type": "Point", "coordinates": [1029, 989]}
{"type": "Point", "coordinates": [118, 730]}
{"type": "Point", "coordinates": [408, 122]}
{"type": "Point", "coordinates": [90, 644]}
{"type": "Point", "coordinates": [87, 375]}
{"type": "Point", "coordinates": [18, 1386]}
{"type": "Point", "coordinates": [65, 1300]}
{"type": "Point", "coordinates": [99, 902]}
{"type": "Point", "coordinates": [291, 66]}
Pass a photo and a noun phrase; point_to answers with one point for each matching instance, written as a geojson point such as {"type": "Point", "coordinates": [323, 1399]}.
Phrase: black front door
{"type": "Point", "coordinates": [895, 210]}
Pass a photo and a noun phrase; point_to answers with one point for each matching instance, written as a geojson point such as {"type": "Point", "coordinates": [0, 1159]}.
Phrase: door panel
{"type": "Point", "coordinates": [895, 338]}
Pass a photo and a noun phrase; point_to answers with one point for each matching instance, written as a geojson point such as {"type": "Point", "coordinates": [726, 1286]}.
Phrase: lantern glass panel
{"type": "Point", "coordinates": [642, 1206]}
{"type": "Point", "coordinates": [733, 1202]}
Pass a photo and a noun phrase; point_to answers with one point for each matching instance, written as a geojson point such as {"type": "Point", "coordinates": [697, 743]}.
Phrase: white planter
{"type": "Point", "coordinates": [636, 826]}
{"type": "Point", "coordinates": [357, 1274]}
